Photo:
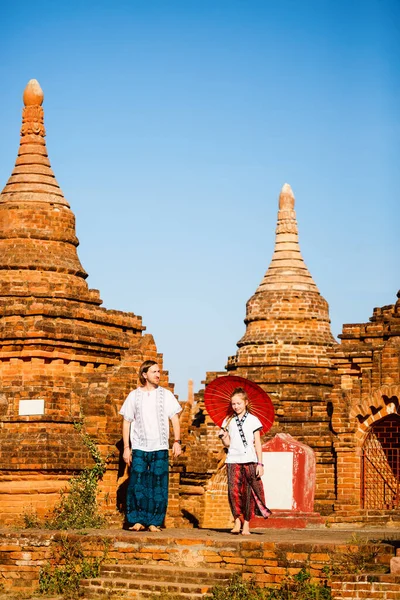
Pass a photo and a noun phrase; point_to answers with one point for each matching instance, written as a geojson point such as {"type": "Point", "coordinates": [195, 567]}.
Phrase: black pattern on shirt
{"type": "Point", "coordinates": [240, 428]}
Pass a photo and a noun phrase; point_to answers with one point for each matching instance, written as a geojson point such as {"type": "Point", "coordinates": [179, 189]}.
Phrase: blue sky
{"type": "Point", "coordinates": [172, 126]}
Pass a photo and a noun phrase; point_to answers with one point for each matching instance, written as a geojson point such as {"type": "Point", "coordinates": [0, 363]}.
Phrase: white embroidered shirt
{"type": "Point", "coordinates": [149, 413]}
{"type": "Point", "coordinates": [238, 452]}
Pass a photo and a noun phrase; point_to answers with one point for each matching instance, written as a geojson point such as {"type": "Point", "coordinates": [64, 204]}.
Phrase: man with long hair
{"type": "Point", "coordinates": [145, 432]}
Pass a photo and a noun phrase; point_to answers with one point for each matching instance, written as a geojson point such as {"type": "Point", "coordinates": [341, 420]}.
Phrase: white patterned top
{"type": "Point", "coordinates": [149, 413]}
{"type": "Point", "coordinates": [241, 451]}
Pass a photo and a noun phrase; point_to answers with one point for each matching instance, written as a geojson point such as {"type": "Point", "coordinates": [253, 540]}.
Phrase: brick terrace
{"type": "Point", "coordinates": [267, 555]}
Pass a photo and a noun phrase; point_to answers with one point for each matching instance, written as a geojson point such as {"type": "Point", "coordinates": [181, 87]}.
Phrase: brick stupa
{"type": "Point", "coordinates": [63, 358]}
{"type": "Point", "coordinates": [286, 350]}
{"type": "Point", "coordinates": [287, 344]}
{"type": "Point", "coordinates": [287, 319]}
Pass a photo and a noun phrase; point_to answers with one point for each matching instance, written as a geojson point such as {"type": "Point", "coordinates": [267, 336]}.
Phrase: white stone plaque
{"type": "Point", "coordinates": [278, 480]}
{"type": "Point", "coordinates": [31, 407]}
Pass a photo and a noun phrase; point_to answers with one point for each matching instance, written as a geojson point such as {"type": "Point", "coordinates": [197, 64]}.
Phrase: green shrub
{"type": "Point", "coordinates": [296, 587]}
{"type": "Point", "coordinates": [68, 566]}
{"type": "Point", "coordinates": [299, 587]}
{"type": "Point", "coordinates": [358, 557]}
{"type": "Point", "coordinates": [78, 507]}
{"type": "Point", "coordinates": [31, 520]}
{"type": "Point", "coordinates": [237, 589]}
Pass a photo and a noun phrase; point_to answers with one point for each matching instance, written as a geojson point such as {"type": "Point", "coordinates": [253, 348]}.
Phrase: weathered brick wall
{"type": "Point", "coordinates": [29, 494]}
{"type": "Point", "coordinates": [217, 512]}
{"type": "Point", "coordinates": [326, 395]}
{"type": "Point", "coordinates": [48, 448]}
{"type": "Point", "coordinates": [57, 344]}
{"type": "Point", "coordinates": [366, 587]}
{"type": "Point", "coordinates": [23, 553]}
{"type": "Point", "coordinates": [201, 504]}
{"type": "Point", "coordinates": [368, 390]}
{"type": "Point", "coordinates": [286, 350]}
{"type": "Point", "coordinates": [86, 384]}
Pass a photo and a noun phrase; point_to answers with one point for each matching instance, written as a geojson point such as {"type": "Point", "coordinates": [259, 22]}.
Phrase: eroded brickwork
{"type": "Point", "coordinates": [57, 344]}
{"type": "Point", "coordinates": [327, 395]}
{"type": "Point", "coordinates": [269, 563]}
{"type": "Point", "coordinates": [366, 587]}
{"type": "Point", "coordinates": [286, 350]}
{"type": "Point", "coordinates": [366, 400]}
{"type": "Point", "coordinates": [60, 346]}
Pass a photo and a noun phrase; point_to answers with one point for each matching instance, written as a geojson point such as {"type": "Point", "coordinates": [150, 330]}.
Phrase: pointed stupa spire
{"type": "Point", "coordinates": [287, 346]}
{"type": "Point", "coordinates": [287, 269]}
{"type": "Point", "coordinates": [286, 316]}
{"type": "Point", "coordinates": [32, 178]}
{"type": "Point", "coordinates": [38, 255]}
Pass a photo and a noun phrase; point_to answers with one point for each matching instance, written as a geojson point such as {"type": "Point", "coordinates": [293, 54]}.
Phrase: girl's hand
{"type": "Point", "coordinates": [224, 436]}
{"type": "Point", "coordinates": [259, 471]}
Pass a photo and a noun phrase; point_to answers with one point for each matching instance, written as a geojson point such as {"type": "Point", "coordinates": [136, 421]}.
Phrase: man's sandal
{"type": "Point", "coordinates": [136, 527]}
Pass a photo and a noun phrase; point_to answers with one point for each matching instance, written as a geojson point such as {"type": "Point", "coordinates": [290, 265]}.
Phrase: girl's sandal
{"type": "Point", "coordinates": [154, 528]}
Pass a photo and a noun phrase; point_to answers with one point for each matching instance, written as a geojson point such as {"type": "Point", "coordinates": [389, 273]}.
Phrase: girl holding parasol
{"type": "Point", "coordinates": [243, 410]}
{"type": "Point", "coordinates": [240, 433]}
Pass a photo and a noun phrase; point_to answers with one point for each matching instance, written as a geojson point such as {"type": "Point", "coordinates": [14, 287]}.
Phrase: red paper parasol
{"type": "Point", "coordinates": [217, 399]}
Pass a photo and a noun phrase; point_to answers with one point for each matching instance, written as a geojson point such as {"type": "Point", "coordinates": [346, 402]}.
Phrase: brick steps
{"type": "Point", "coordinates": [143, 581]}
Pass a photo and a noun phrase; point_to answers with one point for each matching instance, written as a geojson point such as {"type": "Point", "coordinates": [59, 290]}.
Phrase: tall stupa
{"type": "Point", "coordinates": [287, 346]}
{"type": "Point", "coordinates": [64, 359]}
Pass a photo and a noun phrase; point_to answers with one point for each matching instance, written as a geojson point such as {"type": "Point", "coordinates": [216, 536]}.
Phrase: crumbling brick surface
{"type": "Point", "coordinates": [57, 344]}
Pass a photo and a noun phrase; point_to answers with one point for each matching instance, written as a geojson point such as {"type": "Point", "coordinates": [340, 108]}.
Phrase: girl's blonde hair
{"type": "Point", "coordinates": [241, 392]}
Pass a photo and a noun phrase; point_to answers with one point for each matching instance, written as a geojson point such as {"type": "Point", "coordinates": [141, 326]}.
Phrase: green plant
{"type": "Point", "coordinates": [237, 589]}
{"type": "Point", "coordinates": [296, 587]}
{"type": "Point", "coordinates": [31, 520]}
{"type": "Point", "coordinates": [68, 566]}
{"type": "Point", "coordinates": [78, 508]}
{"type": "Point", "coordinates": [358, 557]}
{"type": "Point", "coordinates": [299, 587]}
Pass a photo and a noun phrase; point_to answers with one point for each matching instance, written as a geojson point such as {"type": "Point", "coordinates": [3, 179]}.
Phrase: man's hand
{"type": "Point", "coordinates": [127, 455]}
{"type": "Point", "coordinates": [176, 449]}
